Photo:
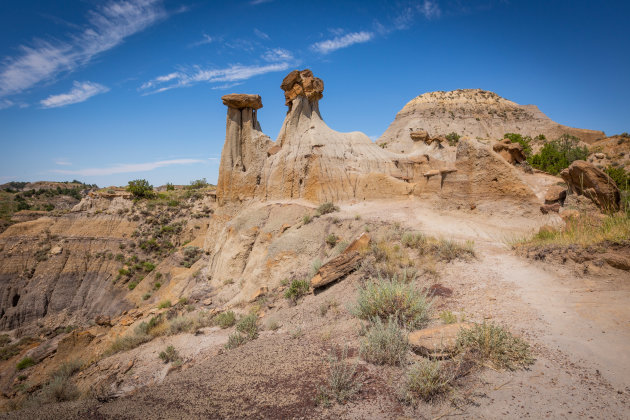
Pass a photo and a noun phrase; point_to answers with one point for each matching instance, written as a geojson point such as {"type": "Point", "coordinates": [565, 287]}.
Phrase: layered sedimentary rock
{"type": "Point", "coordinates": [585, 179]}
{"type": "Point", "coordinates": [473, 113]}
{"type": "Point", "coordinates": [311, 161]}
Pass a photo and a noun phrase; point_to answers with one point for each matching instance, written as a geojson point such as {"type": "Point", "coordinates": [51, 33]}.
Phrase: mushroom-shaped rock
{"type": "Point", "coordinates": [419, 135]}
{"type": "Point", "coordinates": [302, 83]}
{"type": "Point", "coordinates": [512, 152]}
{"type": "Point", "coordinates": [242, 100]}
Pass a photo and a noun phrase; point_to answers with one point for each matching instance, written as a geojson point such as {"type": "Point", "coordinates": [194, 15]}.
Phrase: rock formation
{"type": "Point", "coordinates": [474, 113]}
{"type": "Point", "coordinates": [311, 161]}
{"type": "Point", "coordinates": [512, 152]}
{"type": "Point", "coordinates": [585, 179]}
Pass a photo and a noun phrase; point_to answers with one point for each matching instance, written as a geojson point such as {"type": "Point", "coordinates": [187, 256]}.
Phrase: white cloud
{"type": "Point", "coordinates": [277, 54]}
{"type": "Point", "coordinates": [260, 34]}
{"type": "Point", "coordinates": [226, 86]}
{"type": "Point", "coordinates": [234, 73]}
{"type": "Point", "coordinates": [206, 39]}
{"type": "Point", "coordinates": [62, 162]}
{"type": "Point", "coordinates": [344, 41]}
{"type": "Point", "coordinates": [126, 168]}
{"type": "Point", "coordinates": [5, 103]}
{"type": "Point", "coordinates": [81, 91]}
{"type": "Point", "coordinates": [430, 9]}
{"type": "Point", "coordinates": [256, 2]}
{"type": "Point", "coordinates": [107, 27]}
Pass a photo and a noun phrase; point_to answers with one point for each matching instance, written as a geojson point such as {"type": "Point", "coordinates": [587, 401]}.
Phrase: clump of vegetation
{"type": "Point", "coordinates": [620, 176]}
{"type": "Point", "coordinates": [326, 208]}
{"type": "Point", "coordinates": [384, 343]}
{"type": "Point", "coordinates": [235, 340]}
{"type": "Point", "coordinates": [558, 154]}
{"type": "Point", "coordinates": [453, 138]}
{"type": "Point", "coordinates": [226, 319]}
{"type": "Point", "coordinates": [306, 219]}
{"type": "Point", "coordinates": [426, 380]}
{"type": "Point", "coordinates": [170, 186]}
{"type": "Point", "coordinates": [164, 304]}
{"type": "Point", "coordinates": [191, 255]}
{"type": "Point", "coordinates": [443, 249]}
{"type": "Point", "coordinates": [25, 363]}
{"type": "Point", "coordinates": [128, 342]}
{"type": "Point", "coordinates": [343, 382]}
{"type": "Point", "coordinates": [60, 387]}
{"type": "Point", "coordinates": [524, 141]}
{"type": "Point", "coordinates": [448, 317]}
{"type": "Point", "coordinates": [494, 344]}
{"type": "Point", "coordinates": [584, 230]}
{"type": "Point", "coordinates": [248, 325]}
{"type": "Point", "coordinates": [140, 188]}
{"type": "Point", "coordinates": [331, 239]}
{"type": "Point", "coordinates": [169, 354]}
{"type": "Point", "coordinates": [8, 350]}
{"type": "Point", "coordinates": [393, 299]}
{"type": "Point", "coordinates": [297, 289]}
{"type": "Point", "coordinates": [198, 184]}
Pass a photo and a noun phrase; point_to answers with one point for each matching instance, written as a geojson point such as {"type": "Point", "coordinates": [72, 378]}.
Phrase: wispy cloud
{"type": "Point", "coordinates": [277, 54]}
{"type": "Point", "coordinates": [107, 27]}
{"type": "Point", "coordinates": [126, 168]}
{"type": "Point", "coordinates": [234, 73]}
{"type": "Point", "coordinates": [344, 41]}
{"type": "Point", "coordinates": [82, 91]}
{"type": "Point", "coordinates": [226, 86]}
{"type": "Point", "coordinates": [257, 2]}
{"type": "Point", "coordinates": [430, 9]}
{"type": "Point", "coordinates": [62, 162]}
{"type": "Point", "coordinates": [260, 34]}
{"type": "Point", "coordinates": [5, 103]}
{"type": "Point", "coordinates": [206, 39]}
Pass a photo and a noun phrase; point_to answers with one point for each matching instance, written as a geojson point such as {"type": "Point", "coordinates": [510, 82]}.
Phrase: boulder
{"type": "Point", "coordinates": [419, 135]}
{"type": "Point", "coordinates": [436, 342]}
{"type": "Point", "coordinates": [555, 194]}
{"type": "Point", "coordinates": [600, 155]}
{"type": "Point", "coordinates": [103, 321]}
{"type": "Point", "coordinates": [56, 250]}
{"type": "Point", "coordinates": [302, 83]}
{"type": "Point", "coordinates": [242, 100]}
{"type": "Point", "coordinates": [585, 179]}
{"type": "Point", "coordinates": [550, 208]}
{"type": "Point", "coordinates": [512, 152]}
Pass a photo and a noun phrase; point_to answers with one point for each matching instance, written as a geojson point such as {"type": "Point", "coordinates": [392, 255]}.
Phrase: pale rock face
{"type": "Point", "coordinates": [311, 161]}
{"type": "Point", "coordinates": [474, 113]}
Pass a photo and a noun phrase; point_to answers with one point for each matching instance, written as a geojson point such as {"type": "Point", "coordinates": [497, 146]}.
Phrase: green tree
{"type": "Point", "coordinates": [523, 141]}
{"type": "Point", "coordinates": [140, 188]}
{"type": "Point", "coordinates": [558, 154]}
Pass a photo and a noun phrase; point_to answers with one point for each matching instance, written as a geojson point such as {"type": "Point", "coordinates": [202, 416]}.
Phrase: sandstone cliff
{"type": "Point", "coordinates": [474, 113]}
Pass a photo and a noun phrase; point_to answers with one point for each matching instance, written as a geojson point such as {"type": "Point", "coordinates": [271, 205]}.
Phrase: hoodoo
{"type": "Point", "coordinates": [311, 161]}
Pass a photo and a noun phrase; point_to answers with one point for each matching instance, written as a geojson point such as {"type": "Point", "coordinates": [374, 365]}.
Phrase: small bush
{"type": "Point", "coordinates": [198, 184]}
{"type": "Point", "coordinates": [180, 324]}
{"type": "Point", "coordinates": [25, 363]}
{"type": "Point", "coordinates": [331, 239]}
{"type": "Point", "coordinates": [146, 296]}
{"type": "Point", "coordinates": [170, 187]}
{"type": "Point", "coordinates": [413, 240]}
{"type": "Point", "coordinates": [132, 285]}
{"type": "Point", "coordinates": [235, 340]}
{"type": "Point", "coordinates": [326, 208]}
{"type": "Point", "coordinates": [248, 326]}
{"type": "Point", "coordinates": [226, 319]}
{"type": "Point", "coordinates": [448, 317]}
{"type": "Point", "coordinates": [523, 141]}
{"type": "Point", "coordinates": [449, 250]}
{"type": "Point", "coordinates": [169, 354]}
{"type": "Point", "coordinates": [385, 343]}
{"type": "Point", "coordinates": [343, 380]}
{"type": "Point", "coordinates": [385, 299]}
{"type": "Point", "coordinates": [426, 380]}
{"type": "Point", "coordinates": [127, 342]}
{"type": "Point", "coordinates": [140, 188]}
{"type": "Point", "coordinates": [297, 289]}
{"type": "Point", "coordinates": [558, 154]}
{"type": "Point", "coordinates": [148, 266]}
{"type": "Point", "coordinates": [453, 138]}
{"type": "Point", "coordinates": [306, 219]}
{"type": "Point", "coordinates": [620, 176]}
{"type": "Point", "coordinates": [495, 344]}
{"type": "Point", "coordinates": [164, 304]}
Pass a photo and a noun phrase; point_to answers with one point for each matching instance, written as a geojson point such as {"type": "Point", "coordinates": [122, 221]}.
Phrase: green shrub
{"type": "Point", "coordinates": [326, 208]}
{"type": "Point", "coordinates": [148, 266]}
{"type": "Point", "coordinates": [226, 319]}
{"type": "Point", "coordinates": [523, 141]}
{"type": "Point", "coordinates": [140, 188]}
{"type": "Point", "coordinates": [493, 343]}
{"type": "Point", "coordinates": [448, 317]}
{"type": "Point", "coordinates": [235, 340]}
{"type": "Point", "coordinates": [393, 298]}
{"type": "Point", "coordinates": [248, 326]}
{"type": "Point", "coordinates": [198, 184]}
{"type": "Point", "coordinates": [297, 289]}
{"type": "Point", "coordinates": [170, 187]}
{"type": "Point", "coordinates": [426, 380]}
{"type": "Point", "coordinates": [558, 154]}
{"type": "Point", "coordinates": [164, 304]}
{"type": "Point", "coordinates": [132, 285]}
{"type": "Point", "coordinates": [169, 354]}
{"type": "Point", "coordinates": [385, 343]}
{"type": "Point", "coordinates": [453, 138]}
{"type": "Point", "coordinates": [25, 363]}
{"type": "Point", "coordinates": [343, 380]}
{"type": "Point", "coordinates": [331, 239]}
{"type": "Point", "coordinates": [306, 219]}
{"type": "Point", "coordinates": [620, 176]}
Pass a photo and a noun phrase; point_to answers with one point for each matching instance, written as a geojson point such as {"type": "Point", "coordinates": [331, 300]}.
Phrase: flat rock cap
{"type": "Point", "coordinates": [242, 100]}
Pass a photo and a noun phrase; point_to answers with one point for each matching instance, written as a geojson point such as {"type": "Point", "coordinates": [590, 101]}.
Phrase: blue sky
{"type": "Point", "coordinates": [113, 90]}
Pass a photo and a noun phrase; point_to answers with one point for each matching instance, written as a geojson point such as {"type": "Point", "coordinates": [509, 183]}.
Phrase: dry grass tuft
{"type": "Point", "coordinates": [384, 343]}
{"type": "Point", "coordinates": [343, 380]}
{"type": "Point", "coordinates": [427, 380]}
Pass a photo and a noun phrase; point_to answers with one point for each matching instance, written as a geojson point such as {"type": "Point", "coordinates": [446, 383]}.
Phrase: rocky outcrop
{"type": "Point", "coordinates": [474, 113]}
{"type": "Point", "coordinates": [311, 161]}
{"type": "Point", "coordinates": [512, 152]}
{"type": "Point", "coordinates": [585, 179]}
{"type": "Point", "coordinates": [436, 342]}
{"type": "Point", "coordinates": [242, 100]}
